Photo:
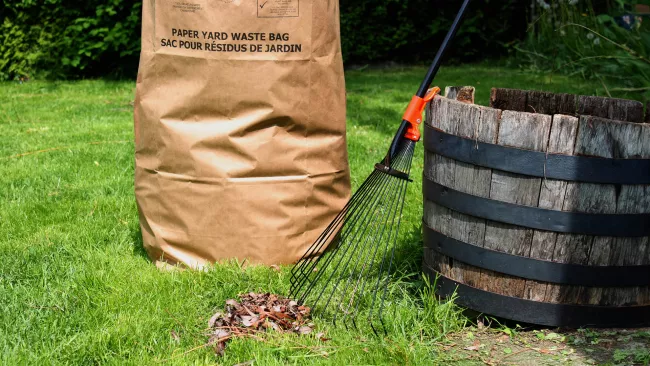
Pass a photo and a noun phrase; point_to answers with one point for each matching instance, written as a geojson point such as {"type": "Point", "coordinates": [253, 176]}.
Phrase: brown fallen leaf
{"type": "Point", "coordinates": [232, 302]}
{"type": "Point", "coordinates": [220, 348]}
{"type": "Point", "coordinates": [214, 319]}
{"type": "Point", "coordinates": [247, 320]}
{"type": "Point", "coordinates": [281, 315]}
{"type": "Point", "coordinates": [220, 333]}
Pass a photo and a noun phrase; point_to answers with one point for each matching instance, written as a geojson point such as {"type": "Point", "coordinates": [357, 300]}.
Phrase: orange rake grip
{"type": "Point", "coordinates": [413, 113]}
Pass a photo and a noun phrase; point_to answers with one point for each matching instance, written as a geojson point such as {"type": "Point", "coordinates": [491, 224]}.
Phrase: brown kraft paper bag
{"type": "Point", "coordinates": [240, 145]}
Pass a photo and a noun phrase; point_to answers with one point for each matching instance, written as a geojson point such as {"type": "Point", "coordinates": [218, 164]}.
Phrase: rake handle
{"type": "Point", "coordinates": [435, 65]}
{"type": "Point", "coordinates": [428, 79]}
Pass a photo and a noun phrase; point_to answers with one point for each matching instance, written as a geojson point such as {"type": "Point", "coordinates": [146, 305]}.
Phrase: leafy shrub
{"type": "Point", "coordinates": [595, 40]}
{"type": "Point", "coordinates": [64, 39]}
{"type": "Point", "coordinates": [52, 38]}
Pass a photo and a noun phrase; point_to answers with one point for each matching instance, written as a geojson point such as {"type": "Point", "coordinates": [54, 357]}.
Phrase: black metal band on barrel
{"type": "Point", "coordinates": [536, 163]}
{"type": "Point", "coordinates": [625, 225]}
{"type": "Point", "coordinates": [541, 313]}
{"type": "Point", "coordinates": [535, 269]}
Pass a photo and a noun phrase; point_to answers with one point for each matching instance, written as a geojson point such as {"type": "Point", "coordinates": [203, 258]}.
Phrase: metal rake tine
{"type": "Point", "coordinates": [381, 249]}
{"type": "Point", "coordinates": [328, 258]}
{"type": "Point", "coordinates": [346, 214]}
{"type": "Point", "coordinates": [324, 237]}
{"type": "Point", "coordinates": [379, 241]}
{"type": "Point", "coordinates": [372, 326]}
{"type": "Point", "coordinates": [352, 246]}
{"type": "Point", "coordinates": [394, 225]}
{"type": "Point", "coordinates": [369, 255]}
{"type": "Point", "coordinates": [319, 242]}
{"type": "Point", "coordinates": [351, 274]}
{"type": "Point", "coordinates": [393, 229]}
{"type": "Point", "coordinates": [343, 271]}
{"type": "Point", "coordinates": [341, 257]}
{"type": "Point", "coordinates": [383, 297]}
{"type": "Point", "coordinates": [364, 213]}
{"type": "Point", "coordinates": [351, 236]}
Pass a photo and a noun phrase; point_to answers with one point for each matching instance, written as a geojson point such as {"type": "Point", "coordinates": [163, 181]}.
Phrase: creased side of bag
{"type": "Point", "coordinates": [239, 129]}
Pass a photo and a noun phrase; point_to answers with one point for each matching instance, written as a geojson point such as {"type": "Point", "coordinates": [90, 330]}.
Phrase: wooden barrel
{"type": "Point", "coordinates": [537, 208]}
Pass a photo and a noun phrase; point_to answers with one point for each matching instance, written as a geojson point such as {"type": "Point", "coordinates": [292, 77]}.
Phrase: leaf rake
{"type": "Point", "coordinates": [349, 265]}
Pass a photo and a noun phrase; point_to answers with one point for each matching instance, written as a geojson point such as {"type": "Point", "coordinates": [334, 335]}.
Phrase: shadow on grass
{"type": "Point", "coordinates": [138, 244]}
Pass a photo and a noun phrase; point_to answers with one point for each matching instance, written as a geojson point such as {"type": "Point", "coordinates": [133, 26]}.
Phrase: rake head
{"type": "Point", "coordinates": [348, 267]}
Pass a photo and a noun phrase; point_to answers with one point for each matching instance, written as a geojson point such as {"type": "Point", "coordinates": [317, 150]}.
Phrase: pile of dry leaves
{"type": "Point", "coordinates": [255, 313]}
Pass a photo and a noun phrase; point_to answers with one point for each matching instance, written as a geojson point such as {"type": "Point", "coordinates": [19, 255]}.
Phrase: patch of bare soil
{"type": "Point", "coordinates": [483, 345]}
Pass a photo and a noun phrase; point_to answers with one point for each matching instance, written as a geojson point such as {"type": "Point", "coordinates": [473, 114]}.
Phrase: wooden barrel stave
{"type": "Point", "coordinates": [555, 134]}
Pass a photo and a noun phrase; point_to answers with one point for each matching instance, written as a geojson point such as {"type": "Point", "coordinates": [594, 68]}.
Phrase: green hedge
{"type": "Point", "coordinates": [89, 38]}
{"type": "Point", "coordinates": [57, 39]}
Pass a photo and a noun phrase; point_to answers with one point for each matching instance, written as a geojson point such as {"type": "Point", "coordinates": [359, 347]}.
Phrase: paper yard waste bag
{"type": "Point", "coordinates": [240, 146]}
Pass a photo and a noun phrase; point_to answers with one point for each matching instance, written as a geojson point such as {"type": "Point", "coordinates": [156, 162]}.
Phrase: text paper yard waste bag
{"type": "Point", "coordinates": [240, 143]}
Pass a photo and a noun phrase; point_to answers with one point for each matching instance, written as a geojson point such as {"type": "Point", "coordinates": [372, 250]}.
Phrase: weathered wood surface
{"type": "Point", "coordinates": [550, 103]}
{"type": "Point", "coordinates": [611, 108]}
{"type": "Point", "coordinates": [609, 139]}
{"type": "Point", "coordinates": [460, 93]}
{"type": "Point", "coordinates": [551, 196]}
{"type": "Point", "coordinates": [564, 134]}
{"type": "Point", "coordinates": [526, 131]}
{"type": "Point", "coordinates": [534, 101]}
{"type": "Point", "coordinates": [574, 248]}
{"type": "Point", "coordinates": [508, 99]}
{"type": "Point", "coordinates": [471, 121]}
{"type": "Point", "coordinates": [614, 139]}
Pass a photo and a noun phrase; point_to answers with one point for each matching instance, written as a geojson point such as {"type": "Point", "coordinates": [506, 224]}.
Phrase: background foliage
{"type": "Point", "coordinates": [59, 39]}
{"type": "Point", "coordinates": [86, 38]}
{"type": "Point", "coordinates": [64, 39]}
{"type": "Point", "coordinates": [605, 41]}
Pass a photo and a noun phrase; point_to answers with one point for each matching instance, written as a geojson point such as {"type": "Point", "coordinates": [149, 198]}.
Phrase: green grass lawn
{"type": "Point", "coordinates": [77, 288]}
